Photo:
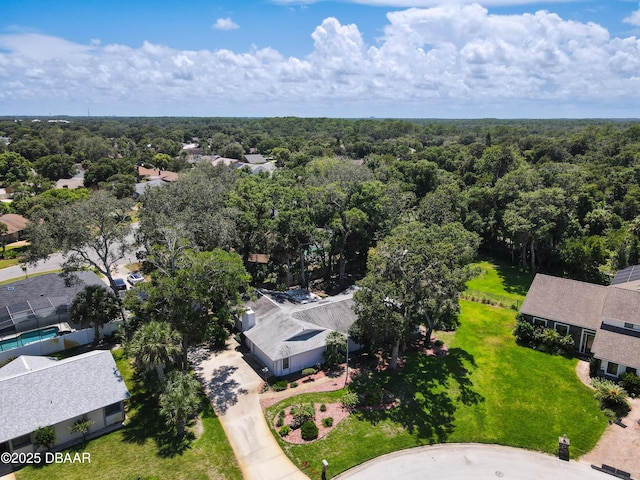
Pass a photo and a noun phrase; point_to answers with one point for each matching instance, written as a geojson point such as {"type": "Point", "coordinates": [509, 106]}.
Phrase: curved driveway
{"type": "Point", "coordinates": [232, 386]}
{"type": "Point", "coordinates": [470, 461]}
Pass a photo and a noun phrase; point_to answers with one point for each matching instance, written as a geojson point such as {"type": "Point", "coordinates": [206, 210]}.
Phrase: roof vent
{"type": "Point", "coordinates": [10, 289]}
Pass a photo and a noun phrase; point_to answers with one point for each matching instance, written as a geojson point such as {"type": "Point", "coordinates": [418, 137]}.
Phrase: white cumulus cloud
{"type": "Point", "coordinates": [225, 24]}
{"type": "Point", "coordinates": [445, 61]}
{"type": "Point", "coordinates": [633, 19]}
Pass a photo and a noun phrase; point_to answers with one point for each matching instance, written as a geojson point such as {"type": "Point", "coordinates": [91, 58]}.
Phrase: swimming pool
{"type": "Point", "coordinates": [29, 337]}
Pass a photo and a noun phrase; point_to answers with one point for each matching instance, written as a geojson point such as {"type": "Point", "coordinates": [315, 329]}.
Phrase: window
{"type": "Point", "coordinates": [285, 363]}
{"type": "Point", "coordinates": [562, 329]}
{"type": "Point", "coordinates": [612, 369]}
{"type": "Point", "coordinates": [541, 322]}
{"type": "Point", "coordinates": [629, 325]}
{"type": "Point", "coordinates": [631, 370]}
{"type": "Point", "coordinates": [113, 409]}
{"type": "Point", "coordinates": [22, 441]}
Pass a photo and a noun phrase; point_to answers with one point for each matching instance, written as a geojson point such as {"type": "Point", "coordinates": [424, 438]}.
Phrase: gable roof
{"type": "Point", "coordinates": [154, 173]}
{"type": "Point", "coordinates": [617, 345]}
{"type": "Point", "coordinates": [622, 304]}
{"type": "Point", "coordinates": [52, 392]}
{"type": "Point", "coordinates": [15, 223]}
{"type": "Point", "coordinates": [566, 301]}
{"type": "Point", "coordinates": [282, 332]}
{"type": "Point", "coordinates": [255, 158]}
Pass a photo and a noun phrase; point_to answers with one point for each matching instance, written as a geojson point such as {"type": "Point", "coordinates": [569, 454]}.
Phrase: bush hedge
{"type": "Point", "coordinates": [631, 383]}
{"type": "Point", "coordinates": [284, 431]}
{"type": "Point", "coordinates": [327, 422]}
{"type": "Point", "coordinates": [309, 430]}
{"type": "Point", "coordinates": [543, 339]}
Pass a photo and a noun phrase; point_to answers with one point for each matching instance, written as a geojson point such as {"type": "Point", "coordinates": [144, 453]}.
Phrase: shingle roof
{"type": "Point", "coordinates": [15, 223]}
{"type": "Point", "coordinates": [255, 158]}
{"type": "Point", "coordinates": [338, 316]}
{"type": "Point", "coordinates": [281, 334]}
{"type": "Point", "coordinates": [566, 301]}
{"type": "Point", "coordinates": [616, 345]}
{"type": "Point", "coordinates": [622, 304]}
{"type": "Point", "coordinates": [53, 392]}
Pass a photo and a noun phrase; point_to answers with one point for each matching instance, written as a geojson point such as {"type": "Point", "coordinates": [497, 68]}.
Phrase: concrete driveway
{"type": "Point", "coordinates": [471, 461]}
{"type": "Point", "coordinates": [232, 386]}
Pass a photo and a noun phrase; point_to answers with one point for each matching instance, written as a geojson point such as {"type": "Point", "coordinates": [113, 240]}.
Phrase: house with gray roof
{"type": "Point", "coordinates": [254, 158]}
{"type": "Point", "coordinates": [289, 337]}
{"type": "Point", "coordinates": [604, 321]}
{"type": "Point", "coordinates": [42, 391]}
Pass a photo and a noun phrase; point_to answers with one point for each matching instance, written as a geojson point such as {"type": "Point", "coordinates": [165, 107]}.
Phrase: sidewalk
{"type": "Point", "coordinates": [233, 386]}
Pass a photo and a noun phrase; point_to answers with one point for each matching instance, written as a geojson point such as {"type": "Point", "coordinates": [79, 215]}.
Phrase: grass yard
{"type": "Point", "coordinates": [487, 390]}
{"type": "Point", "coordinates": [144, 450]}
{"type": "Point", "coordinates": [501, 279]}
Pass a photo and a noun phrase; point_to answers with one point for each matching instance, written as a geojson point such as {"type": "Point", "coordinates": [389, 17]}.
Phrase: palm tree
{"type": "Point", "coordinates": [155, 346]}
{"type": "Point", "coordinates": [94, 304]}
{"type": "Point", "coordinates": [180, 400]}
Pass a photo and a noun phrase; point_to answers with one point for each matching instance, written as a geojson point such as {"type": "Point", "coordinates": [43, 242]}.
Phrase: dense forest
{"type": "Point", "coordinates": [560, 196]}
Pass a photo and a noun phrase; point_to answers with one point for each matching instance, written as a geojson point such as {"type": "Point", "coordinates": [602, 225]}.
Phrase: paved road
{"type": "Point", "coordinates": [54, 262]}
{"type": "Point", "coordinates": [471, 461]}
{"type": "Point", "coordinates": [232, 386]}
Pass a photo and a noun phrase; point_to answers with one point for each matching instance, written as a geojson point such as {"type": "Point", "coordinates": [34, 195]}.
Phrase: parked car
{"type": "Point", "coordinates": [120, 284]}
{"type": "Point", "coordinates": [135, 278]}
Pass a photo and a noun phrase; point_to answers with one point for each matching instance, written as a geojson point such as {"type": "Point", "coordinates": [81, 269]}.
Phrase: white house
{"type": "Point", "coordinates": [42, 391]}
{"type": "Point", "coordinates": [289, 337]}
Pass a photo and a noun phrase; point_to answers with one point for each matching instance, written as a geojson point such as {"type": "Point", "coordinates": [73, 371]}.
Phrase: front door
{"type": "Point", "coordinates": [586, 341]}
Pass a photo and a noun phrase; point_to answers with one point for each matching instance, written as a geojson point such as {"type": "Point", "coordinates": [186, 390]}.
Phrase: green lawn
{"type": "Point", "coordinates": [143, 450]}
{"type": "Point", "coordinates": [501, 279]}
{"type": "Point", "coordinates": [487, 390]}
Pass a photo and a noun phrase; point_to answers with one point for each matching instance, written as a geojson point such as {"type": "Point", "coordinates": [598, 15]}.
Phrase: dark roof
{"type": "Point", "coordinates": [40, 292]}
{"type": "Point", "coordinates": [629, 274]}
{"type": "Point", "coordinates": [37, 393]}
{"type": "Point", "coordinates": [567, 301]}
{"type": "Point", "coordinates": [48, 285]}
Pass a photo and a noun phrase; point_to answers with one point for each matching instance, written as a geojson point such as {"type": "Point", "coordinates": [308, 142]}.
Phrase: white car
{"type": "Point", "coordinates": [135, 278]}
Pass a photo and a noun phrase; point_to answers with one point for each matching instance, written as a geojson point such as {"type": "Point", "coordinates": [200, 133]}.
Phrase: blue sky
{"type": "Point", "coordinates": [349, 58]}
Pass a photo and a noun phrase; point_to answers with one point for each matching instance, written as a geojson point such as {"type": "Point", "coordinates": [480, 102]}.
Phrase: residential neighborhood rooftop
{"type": "Point", "coordinates": [38, 391]}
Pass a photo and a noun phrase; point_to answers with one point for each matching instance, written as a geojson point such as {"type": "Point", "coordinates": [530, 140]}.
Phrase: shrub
{"type": "Point", "coordinates": [594, 367]}
{"type": "Point", "coordinates": [308, 371]}
{"type": "Point", "coordinates": [281, 414]}
{"type": "Point", "coordinates": [611, 396]}
{"type": "Point", "coordinates": [327, 422]}
{"type": "Point", "coordinates": [293, 384]}
{"type": "Point", "coordinates": [609, 414]}
{"type": "Point", "coordinates": [280, 422]}
{"type": "Point", "coordinates": [280, 385]}
{"type": "Point", "coordinates": [350, 400]}
{"type": "Point", "coordinates": [302, 412]}
{"type": "Point", "coordinates": [323, 408]}
{"type": "Point", "coordinates": [631, 383]}
{"type": "Point", "coordinates": [284, 431]}
{"type": "Point", "coordinates": [544, 339]}
{"type": "Point", "coordinates": [309, 430]}
{"type": "Point", "coordinates": [524, 332]}
{"type": "Point", "coordinates": [45, 437]}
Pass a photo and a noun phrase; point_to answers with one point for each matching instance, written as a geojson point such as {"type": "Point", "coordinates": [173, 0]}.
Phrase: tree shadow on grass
{"type": "Point", "coordinates": [513, 279]}
{"type": "Point", "coordinates": [423, 398]}
{"type": "Point", "coordinates": [146, 422]}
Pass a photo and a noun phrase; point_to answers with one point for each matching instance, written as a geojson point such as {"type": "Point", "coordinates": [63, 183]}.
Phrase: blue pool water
{"type": "Point", "coordinates": [29, 337]}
